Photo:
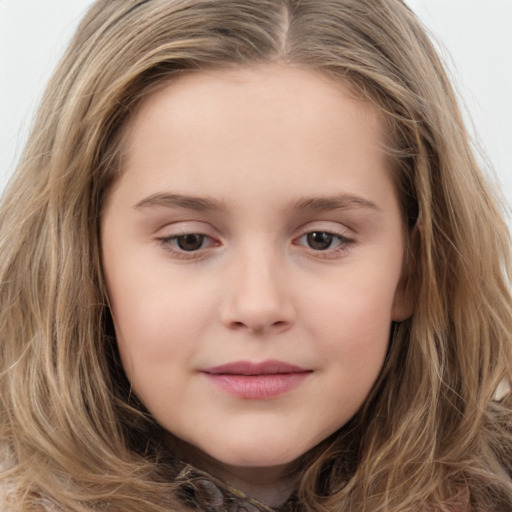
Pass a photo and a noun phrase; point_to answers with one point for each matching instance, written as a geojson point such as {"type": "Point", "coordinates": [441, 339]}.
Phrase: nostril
{"type": "Point", "coordinates": [259, 326]}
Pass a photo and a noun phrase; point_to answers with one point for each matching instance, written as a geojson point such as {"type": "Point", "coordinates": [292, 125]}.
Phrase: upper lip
{"type": "Point", "coordinates": [271, 367]}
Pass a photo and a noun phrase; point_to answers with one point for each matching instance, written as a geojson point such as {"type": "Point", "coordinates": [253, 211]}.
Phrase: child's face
{"type": "Point", "coordinates": [254, 230]}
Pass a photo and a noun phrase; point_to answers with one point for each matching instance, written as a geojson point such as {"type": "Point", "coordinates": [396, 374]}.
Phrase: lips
{"type": "Point", "coordinates": [256, 381]}
{"type": "Point", "coordinates": [271, 367]}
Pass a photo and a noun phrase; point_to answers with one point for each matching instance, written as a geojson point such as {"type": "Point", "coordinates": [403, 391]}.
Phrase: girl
{"type": "Point", "coordinates": [249, 262]}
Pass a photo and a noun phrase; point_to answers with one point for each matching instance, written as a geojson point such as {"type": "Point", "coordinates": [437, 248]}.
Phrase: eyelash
{"type": "Point", "coordinates": [171, 244]}
{"type": "Point", "coordinates": [342, 246]}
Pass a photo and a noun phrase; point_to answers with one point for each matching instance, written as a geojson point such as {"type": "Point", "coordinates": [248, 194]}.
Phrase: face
{"type": "Point", "coordinates": [253, 251]}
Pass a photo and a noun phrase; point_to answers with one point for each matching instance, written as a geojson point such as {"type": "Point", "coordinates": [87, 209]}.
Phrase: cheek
{"type": "Point", "coordinates": [158, 344]}
{"type": "Point", "coordinates": [351, 324]}
{"type": "Point", "coordinates": [157, 320]}
{"type": "Point", "coordinates": [354, 338]}
{"type": "Point", "coordinates": [358, 305]}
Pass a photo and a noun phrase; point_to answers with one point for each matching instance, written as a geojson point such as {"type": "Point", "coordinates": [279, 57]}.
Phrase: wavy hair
{"type": "Point", "coordinates": [429, 437]}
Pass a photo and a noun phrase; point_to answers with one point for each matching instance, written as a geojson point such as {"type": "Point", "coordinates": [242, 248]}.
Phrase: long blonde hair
{"type": "Point", "coordinates": [429, 436]}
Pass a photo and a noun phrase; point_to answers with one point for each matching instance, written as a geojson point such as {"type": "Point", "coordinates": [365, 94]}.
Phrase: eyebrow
{"type": "Point", "coordinates": [336, 202]}
{"type": "Point", "coordinates": [322, 203]}
{"type": "Point", "coordinates": [181, 201]}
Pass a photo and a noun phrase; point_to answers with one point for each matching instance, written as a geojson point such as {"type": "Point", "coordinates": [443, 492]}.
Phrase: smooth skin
{"type": "Point", "coordinates": [255, 219]}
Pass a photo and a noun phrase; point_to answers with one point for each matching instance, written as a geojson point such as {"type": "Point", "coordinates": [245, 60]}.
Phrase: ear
{"type": "Point", "coordinates": [405, 293]}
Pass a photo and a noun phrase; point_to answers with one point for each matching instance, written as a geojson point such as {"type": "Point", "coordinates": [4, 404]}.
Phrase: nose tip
{"type": "Point", "coordinates": [258, 303]}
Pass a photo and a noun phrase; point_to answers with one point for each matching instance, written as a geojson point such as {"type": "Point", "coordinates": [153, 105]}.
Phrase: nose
{"type": "Point", "coordinates": [259, 299]}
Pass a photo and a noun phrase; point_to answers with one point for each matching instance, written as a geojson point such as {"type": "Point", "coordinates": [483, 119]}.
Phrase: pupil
{"type": "Point", "coordinates": [319, 241]}
{"type": "Point", "coordinates": [191, 242]}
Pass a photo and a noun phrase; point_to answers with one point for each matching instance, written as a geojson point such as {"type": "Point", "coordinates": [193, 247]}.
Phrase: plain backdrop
{"type": "Point", "coordinates": [474, 37]}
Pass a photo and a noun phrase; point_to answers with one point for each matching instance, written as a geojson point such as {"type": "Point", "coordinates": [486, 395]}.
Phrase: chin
{"type": "Point", "coordinates": [255, 455]}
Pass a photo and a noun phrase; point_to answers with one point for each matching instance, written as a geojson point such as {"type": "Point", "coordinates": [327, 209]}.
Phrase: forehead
{"type": "Point", "coordinates": [225, 124]}
{"type": "Point", "coordinates": [302, 93]}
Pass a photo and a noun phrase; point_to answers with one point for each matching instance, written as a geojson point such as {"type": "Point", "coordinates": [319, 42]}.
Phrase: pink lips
{"type": "Point", "coordinates": [256, 381]}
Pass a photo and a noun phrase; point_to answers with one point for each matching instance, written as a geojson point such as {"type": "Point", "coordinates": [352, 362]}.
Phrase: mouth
{"type": "Point", "coordinates": [257, 381]}
{"type": "Point", "coordinates": [271, 367]}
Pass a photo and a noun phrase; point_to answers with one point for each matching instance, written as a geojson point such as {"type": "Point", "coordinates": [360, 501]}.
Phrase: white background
{"type": "Point", "coordinates": [475, 38]}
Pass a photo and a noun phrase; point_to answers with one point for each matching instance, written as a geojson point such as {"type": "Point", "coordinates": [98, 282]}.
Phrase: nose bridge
{"type": "Point", "coordinates": [259, 296]}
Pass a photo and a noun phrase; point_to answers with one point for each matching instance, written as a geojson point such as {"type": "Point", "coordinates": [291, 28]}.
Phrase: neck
{"type": "Point", "coordinates": [271, 486]}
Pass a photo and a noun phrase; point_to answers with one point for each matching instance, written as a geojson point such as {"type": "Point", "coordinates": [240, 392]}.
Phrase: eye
{"type": "Point", "coordinates": [190, 242]}
{"type": "Point", "coordinates": [324, 241]}
{"type": "Point", "coordinates": [320, 240]}
{"type": "Point", "coordinates": [187, 243]}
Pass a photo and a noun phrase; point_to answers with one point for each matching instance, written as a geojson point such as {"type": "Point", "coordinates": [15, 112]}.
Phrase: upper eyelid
{"type": "Point", "coordinates": [325, 226]}
{"type": "Point", "coordinates": [179, 228]}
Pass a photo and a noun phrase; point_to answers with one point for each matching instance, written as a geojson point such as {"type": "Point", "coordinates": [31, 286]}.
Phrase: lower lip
{"type": "Point", "coordinates": [257, 387]}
